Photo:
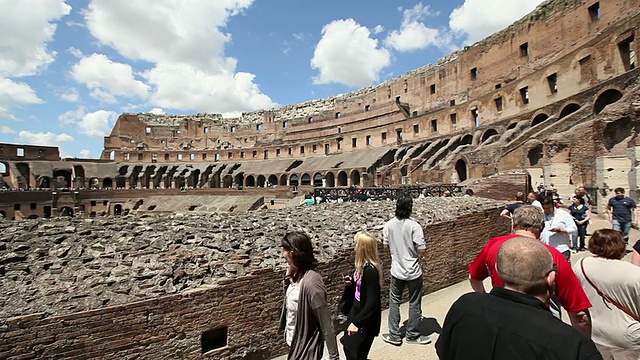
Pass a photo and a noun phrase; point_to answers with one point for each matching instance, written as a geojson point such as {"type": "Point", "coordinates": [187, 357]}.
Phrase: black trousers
{"type": "Point", "coordinates": [361, 350]}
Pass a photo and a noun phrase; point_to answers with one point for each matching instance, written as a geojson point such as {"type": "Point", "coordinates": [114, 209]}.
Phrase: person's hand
{"type": "Point", "coordinates": [556, 229]}
{"type": "Point", "coordinates": [352, 329]}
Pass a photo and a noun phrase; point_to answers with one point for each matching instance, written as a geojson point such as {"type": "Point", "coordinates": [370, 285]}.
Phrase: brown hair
{"type": "Point", "coordinates": [301, 249]}
{"type": "Point", "coordinates": [608, 244]}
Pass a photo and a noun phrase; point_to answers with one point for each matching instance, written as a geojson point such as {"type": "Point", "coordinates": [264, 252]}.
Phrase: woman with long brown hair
{"type": "Point", "coordinates": [305, 316]}
{"type": "Point", "coordinates": [364, 316]}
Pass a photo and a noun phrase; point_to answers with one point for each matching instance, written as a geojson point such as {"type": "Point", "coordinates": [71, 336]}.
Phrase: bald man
{"type": "Point", "coordinates": [514, 321]}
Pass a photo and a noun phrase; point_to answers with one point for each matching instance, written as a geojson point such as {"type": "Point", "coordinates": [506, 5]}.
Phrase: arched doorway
{"type": "Point", "coordinates": [25, 173]}
{"type": "Point", "coordinates": [283, 180]}
{"type": "Point", "coordinates": [65, 211]}
{"type": "Point", "coordinates": [342, 178]}
{"type": "Point", "coordinates": [107, 183]}
{"type": "Point", "coordinates": [305, 179]}
{"type": "Point", "coordinates": [461, 169]}
{"type": "Point", "coordinates": [487, 134]}
{"type": "Point", "coordinates": [317, 180]}
{"type": "Point", "coordinates": [535, 155]}
{"type": "Point", "coordinates": [94, 183]}
{"type": "Point", "coordinates": [227, 181]}
{"type": "Point", "coordinates": [512, 125]}
{"type": "Point", "coordinates": [214, 181]}
{"type": "Point", "coordinates": [260, 181]}
{"type": "Point", "coordinates": [569, 109]}
{"type": "Point", "coordinates": [239, 179]}
{"type": "Point", "coordinates": [62, 178]}
{"type": "Point", "coordinates": [467, 140]}
{"type": "Point", "coordinates": [45, 182]}
{"type": "Point", "coordinates": [251, 181]}
{"type": "Point", "coordinates": [121, 182]}
{"type": "Point", "coordinates": [273, 180]}
{"type": "Point", "coordinates": [538, 119]}
{"type": "Point", "coordinates": [355, 177]}
{"type": "Point", "coordinates": [117, 210]}
{"type": "Point", "coordinates": [330, 179]}
{"type": "Point", "coordinates": [608, 97]}
{"type": "Point", "coordinates": [293, 180]}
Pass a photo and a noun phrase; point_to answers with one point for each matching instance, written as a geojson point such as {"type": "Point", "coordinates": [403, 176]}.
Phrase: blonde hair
{"type": "Point", "coordinates": [366, 248]}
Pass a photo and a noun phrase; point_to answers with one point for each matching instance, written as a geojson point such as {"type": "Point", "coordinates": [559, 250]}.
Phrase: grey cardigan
{"type": "Point", "coordinates": [313, 324]}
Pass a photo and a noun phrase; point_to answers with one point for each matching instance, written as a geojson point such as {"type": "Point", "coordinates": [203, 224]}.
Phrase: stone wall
{"type": "Point", "coordinates": [149, 288]}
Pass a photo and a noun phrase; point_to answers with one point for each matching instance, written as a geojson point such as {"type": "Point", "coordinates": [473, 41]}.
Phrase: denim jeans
{"type": "Point", "coordinates": [623, 227]}
{"type": "Point", "coordinates": [415, 306]}
{"type": "Point", "coordinates": [581, 234]}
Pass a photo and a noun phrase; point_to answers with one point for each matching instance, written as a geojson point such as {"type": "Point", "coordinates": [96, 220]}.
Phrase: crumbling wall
{"type": "Point", "coordinates": [149, 288]}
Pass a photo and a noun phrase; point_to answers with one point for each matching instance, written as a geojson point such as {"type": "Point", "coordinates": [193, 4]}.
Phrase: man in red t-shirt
{"type": "Point", "coordinates": [528, 221]}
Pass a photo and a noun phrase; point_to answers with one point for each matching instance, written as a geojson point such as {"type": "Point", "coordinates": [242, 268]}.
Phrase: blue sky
{"type": "Point", "coordinates": [69, 68]}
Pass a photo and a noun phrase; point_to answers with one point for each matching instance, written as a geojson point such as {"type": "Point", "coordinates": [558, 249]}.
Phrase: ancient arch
{"type": "Point", "coordinates": [194, 178]}
{"type": "Point", "coordinates": [239, 179]}
{"type": "Point", "coordinates": [330, 179]}
{"type": "Point", "coordinates": [94, 183]}
{"type": "Point", "coordinates": [44, 182]}
{"type": "Point", "coordinates": [535, 154]}
{"type": "Point", "coordinates": [179, 182]}
{"type": "Point", "coordinates": [62, 178]}
{"type": "Point", "coordinates": [538, 119]}
{"type": "Point", "coordinates": [107, 183]}
{"type": "Point", "coordinates": [123, 170]}
{"type": "Point", "coordinates": [250, 181]}
{"type": "Point", "coordinates": [317, 180]}
{"type": "Point", "coordinates": [568, 109]}
{"type": "Point", "coordinates": [260, 181]}
{"type": "Point", "coordinates": [461, 169]}
{"type": "Point", "coordinates": [117, 210]}
{"type": "Point", "coordinates": [305, 179]}
{"type": "Point", "coordinates": [355, 177]}
{"type": "Point", "coordinates": [293, 180]}
{"type": "Point", "coordinates": [4, 168]}
{"type": "Point", "coordinates": [214, 181]}
{"type": "Point", "coordinates": [78, 172]}
{"type": "Point", "coordinates": [283, 180]}
{"type": "Point", "coordinates": [607, 97]}
{"type": "Point", "coordinates": [487, 134]}
{"type": "Point", "coordinates": [65, 211]}
{"type": "Point", "coordinates": [467, 140]}
{"type": "Point", "coordinates": [3, 214]}
{"type": "Point", "coordinates": [342, 178]}
{"type": "Point", "coordinates": [25, 172]}
{"type": "Point", "coordinates": [273, 180]}
{"type": "Point", "coordinates": [227, 181]}
{"type": "Point", "coordinates": [512, 125]}
{"type": "Point", "coordinates": [32, 216]}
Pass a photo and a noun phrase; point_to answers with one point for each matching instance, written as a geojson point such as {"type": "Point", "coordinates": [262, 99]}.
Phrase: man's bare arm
{"type": "Point", "coordinates": [581, 321]}
{"type": "Point", "coordinates": [477, 285]}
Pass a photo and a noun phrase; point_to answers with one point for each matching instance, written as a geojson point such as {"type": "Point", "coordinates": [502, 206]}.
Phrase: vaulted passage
{"type": "Point", "coordinates": [355, 177]}
{"type": "Point", "coordinates": [569, 109]}
{"type": "Point", "coordinates": [317, 180]}
{"type": "Point", "coordinates": [489, 133]}
{"type": "Point", "coordinates": [535, 155]}
{"type": "Point", "coordinates": [260, 181]}
{"type": "Point", "coordinates": [539, 119]}
{"type": "Point", "coordinates": [461, 169]}
{"type": "Point", "coordinates": [251, 181]}
{"type": "Point", "coordinates": [330, 179]}
{"type": "Point", "coordinates": [608, 97]}
{"type": "Point", "coordinates": [342, 178]}
{"type": "Point", "coordinates": [467, 140]}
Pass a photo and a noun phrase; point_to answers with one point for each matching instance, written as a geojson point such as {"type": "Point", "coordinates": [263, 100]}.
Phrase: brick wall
{"type": "Point", "coordinates": [171, 327]}
{"type": "Point", "coordinates": [501, 186]}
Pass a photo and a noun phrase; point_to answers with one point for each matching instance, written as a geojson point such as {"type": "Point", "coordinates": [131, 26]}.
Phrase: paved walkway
{"type": "Point", "coordinates": [434, 310]}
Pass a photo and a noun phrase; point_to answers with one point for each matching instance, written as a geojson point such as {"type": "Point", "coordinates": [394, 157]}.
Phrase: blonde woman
{"type": "Point", "coordinates": [364, 316]}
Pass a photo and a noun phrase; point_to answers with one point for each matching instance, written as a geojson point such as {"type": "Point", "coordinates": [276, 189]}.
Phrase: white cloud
{"type": "Point", "coordinates": [184, 87]}
{"type": "Point", "coordinates": [84, 153]}
{"type": "Point", "coordinates": [31, 25]}
{"type": "Point", "coordinates": [72, 116]}
{"type": "Point", "coordinates": [413, 33]}
{"type": "Point", "coordinates": [108, 79]}
{"type": "Point", "coordinates": [6, 130]}
{"type": "Point", "coordinates": [14, 93]}
{"type": "Point", "coordinates": [156, 111]}
{"type": "Point", "coordinates": [97, 124]}
{"type": "Point", "coordinates": [184, 42]}
{"type": "Point", "coordinates": [347, 54]}
{"type": "Point", "coordinates": [378, 29]}
{"type": "Point", "coordinates": [75, 52]}
{"type": "Point", "coordinates": [47, 139]}
{"type": "Point", "coordinates": [477, 19]}
{"type": "Point", "coordinates": [70, 96]}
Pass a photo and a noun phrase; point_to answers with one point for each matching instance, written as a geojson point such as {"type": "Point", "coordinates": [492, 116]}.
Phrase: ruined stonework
{"type": "Point", "coordinates": [148, 288]}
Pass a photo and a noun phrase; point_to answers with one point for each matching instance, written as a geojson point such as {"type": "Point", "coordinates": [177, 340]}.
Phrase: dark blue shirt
{"type": "Point", "coordinates": [622, 208]}
{"type": "Point", "coordinates": [578, 214]}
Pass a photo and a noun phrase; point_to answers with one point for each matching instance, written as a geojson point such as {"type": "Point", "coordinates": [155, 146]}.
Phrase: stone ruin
{"type": "Point", "coordinates": [64, 276]}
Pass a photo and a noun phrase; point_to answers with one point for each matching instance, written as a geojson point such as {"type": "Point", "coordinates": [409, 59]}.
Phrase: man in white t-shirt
{"type": "Point", "coordinates": [405, 240]}
{"type": "Point", "coordinates": [558, 227]}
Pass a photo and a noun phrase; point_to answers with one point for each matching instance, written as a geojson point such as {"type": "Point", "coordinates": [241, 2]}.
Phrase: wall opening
{"type": "Point", "coordinates": [608, 97]}
{"type": "Point", "coordinates": [260, 181]}
{"type": "Point", "coordinates": [498, 102]}
{"type": "Point", "coordinates": [305, 179]}
{"type": "Point", "coordinates": [461, 169]}
{"type": "Point", "coordinates": [594, 11]}
{"type": "Point", "coordinates": [273, 180]}
{"type": "Point", "coordinates": [330, 180]}
{"type": "Point", "coordinates": [214, 339]}
{"type": "Point", "coordinates": [293, 180]}
{"type": "Point", "coordinates": [524, 95]}
{"type": "Point", "coordinates": [251, 181]}
{"type": "Point", "coordinates": [107, 183]}
{"type": "Point", "coordinates": [552, 81]}
{"type": "Point", "coordinates": [342, 178]}
{"type": "Point", "coordinates": [512, 126]}
{"type": "Point", "coordinates": [317, 180]}
{"type": "Point", "coordinates": [467, 140]}
{"type": "Point", "coordinates": [539, 119]}
{"type": "Point", "coordinates": [283, 180]}
{"type": "Point", "coordinates": [355, 178]}
{"type": "Point", "coordinates": [626, 48]}
{"type": "Point", "coordinates": [489, 133]}
{"type": "Point", "coordinates": [569, 109]}
{"type": "Point", "coordinates": [535, 155]}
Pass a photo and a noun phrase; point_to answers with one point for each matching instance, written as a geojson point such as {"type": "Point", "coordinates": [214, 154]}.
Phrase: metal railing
{"type": "Point", "coordinates": [355, 193]}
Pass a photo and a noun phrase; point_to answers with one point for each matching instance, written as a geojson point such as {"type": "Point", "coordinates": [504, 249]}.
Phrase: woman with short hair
{"type": "Point", "coordinates": [305, 317]}
{"type": "Point", "coordinates": [613, 287]}
{"type": "Point", "coordinates": [581, 216]}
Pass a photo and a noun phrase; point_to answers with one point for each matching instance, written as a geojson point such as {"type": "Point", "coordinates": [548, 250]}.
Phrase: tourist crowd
{"type": "Point", "coordinates": [520, 318]}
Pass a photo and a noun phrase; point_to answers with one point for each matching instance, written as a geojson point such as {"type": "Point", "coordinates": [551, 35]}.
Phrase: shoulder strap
{"type": "Point", "coordinates": [606, 297]}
